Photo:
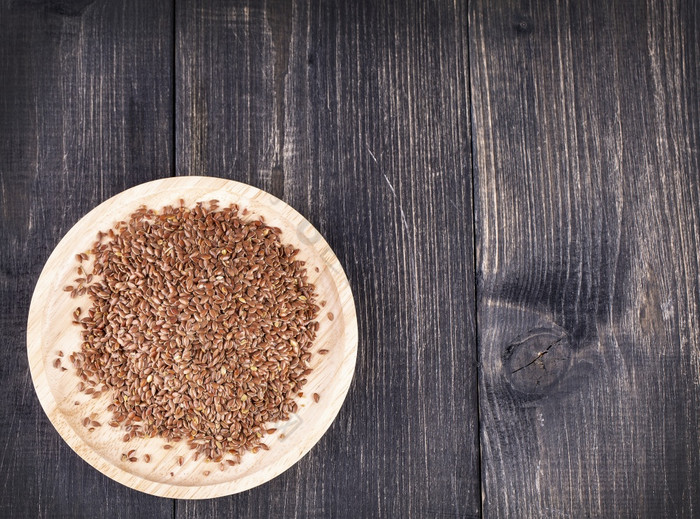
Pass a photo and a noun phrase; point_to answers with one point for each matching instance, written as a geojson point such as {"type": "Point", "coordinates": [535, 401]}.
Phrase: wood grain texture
{"type": "Point", "coordinates": [49, 330]}
{"type": "Point", "coordinates": [586, 126]}
{"type": "Point", "coordinates": [356, 113]}
{"type": "Point", "coordinates": [85, 111]}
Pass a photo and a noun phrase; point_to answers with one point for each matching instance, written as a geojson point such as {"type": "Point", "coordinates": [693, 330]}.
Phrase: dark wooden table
{"type": "Point", "coordinates": [512, 187]}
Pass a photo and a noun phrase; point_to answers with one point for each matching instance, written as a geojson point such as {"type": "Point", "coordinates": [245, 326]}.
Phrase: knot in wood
{"type": "Point", "coordinates": [537, 359]}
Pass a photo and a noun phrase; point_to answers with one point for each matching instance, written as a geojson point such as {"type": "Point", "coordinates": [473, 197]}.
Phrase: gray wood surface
{"type": "Point", "coordinates": [357, 115]}
{"type": "Point", "coordinates": [85, 112]}
{"type": "Point", "coordinates": [586, 134]}
{"type": "Point", "coordinates": [562, 256]}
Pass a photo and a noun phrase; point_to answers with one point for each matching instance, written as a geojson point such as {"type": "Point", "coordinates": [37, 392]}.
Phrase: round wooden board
{"type": "Point", "coordinates": [49, 330]}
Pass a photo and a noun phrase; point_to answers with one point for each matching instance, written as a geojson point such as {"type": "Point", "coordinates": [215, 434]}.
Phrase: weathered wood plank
{"type": "Point", "coordinates": [85, 112]}
{"type": "Point", "coordinates": [357, 114]}
{"type": "Point", "coordinates": [586, 125]}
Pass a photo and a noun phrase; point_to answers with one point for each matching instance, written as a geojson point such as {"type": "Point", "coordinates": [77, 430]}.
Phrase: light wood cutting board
{"type": "Point", "coordinates": [49, 330]}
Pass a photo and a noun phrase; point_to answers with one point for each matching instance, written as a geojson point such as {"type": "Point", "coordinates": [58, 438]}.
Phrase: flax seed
{"type": "Point", "coordinates": [173, 293]}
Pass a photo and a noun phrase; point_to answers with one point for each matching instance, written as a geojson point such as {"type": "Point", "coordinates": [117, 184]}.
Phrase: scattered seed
{"type": "Point", "coordinates": [57, 363]}
{"type": "Point", "coordinates": [317, 397]}
{"type": "Point", "coordinates": [60, 353]}
{"type": "Point", "coordinates": [68, 288]}
{"type": "Point", "coordinates": [330, 316]}
{"type": "Point", "coordinates": [172, 293]}
{"type": "Point", "coordinates": [167, 446]}
{"type": "Point", "coordinates": [206, 473]}
{"type": "Point", "coordinates": [180, 460]}
{"type": "Point", "coordinates": [322, 352]}
{"type": "Point", "coordinates": [86, 421]}
{"type": "Point", "coordinates": [133, 459]}
{"type": "Point", "coordinates": [147, 458]}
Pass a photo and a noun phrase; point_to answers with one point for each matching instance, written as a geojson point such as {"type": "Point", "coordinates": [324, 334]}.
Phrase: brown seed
{"type": "Point", "coordinates": [57, 363]}
{"type": "Point", "coordinates": [133, 459]}
{"type": "Point", "coordinates": [322, 352]}
{"type": "Point", "coordinates": [317, 397]}
{"type": "Point", "coordinates": [180, 460]}
{"type": "Point", "coordinates": [206, 473]}
{"type": "Point", "coordinates": [60, 353]}
{"type": "Point", "coordinates": [165, 281]}
{"type": "Point", "coordinates": [86, 421]}
{"type": "Point", "coordinates": [68, 288]}
{"type": "Point", "coordinates": [167, 446]}
{"type": "Point", "coordinates": [147, 458]}
{"type": "Point", "coordinates": [330, 316]}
